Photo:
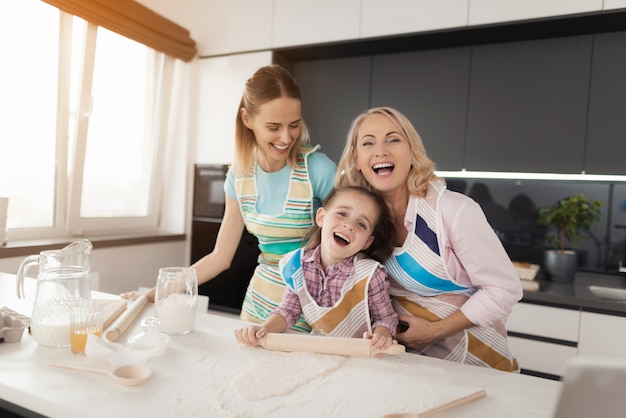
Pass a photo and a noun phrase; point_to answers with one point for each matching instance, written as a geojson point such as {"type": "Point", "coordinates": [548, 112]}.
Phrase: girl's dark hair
{"type": "Point", "coordinates": [383, 233]}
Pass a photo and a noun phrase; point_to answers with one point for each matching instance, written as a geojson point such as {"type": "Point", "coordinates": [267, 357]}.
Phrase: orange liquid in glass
{"type": "Point", "coordinates": [78, 339]}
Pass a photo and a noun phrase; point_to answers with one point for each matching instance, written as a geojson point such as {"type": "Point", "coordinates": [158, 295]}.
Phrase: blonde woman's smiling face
{"type": "Point", "coordinates": [382, 154]}
{"type": "Point", "coordinates": [276, 128]}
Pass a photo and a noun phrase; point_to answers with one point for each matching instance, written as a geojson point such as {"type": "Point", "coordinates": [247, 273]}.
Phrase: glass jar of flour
{"type": "Point", "coordinates": [176, 299]}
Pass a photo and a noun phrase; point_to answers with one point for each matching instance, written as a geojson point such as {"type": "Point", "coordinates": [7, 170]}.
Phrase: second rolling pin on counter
{"type": "Point", "coordinates": [124, 321]}
{"type": "Point", "coordinates": [325, 345]}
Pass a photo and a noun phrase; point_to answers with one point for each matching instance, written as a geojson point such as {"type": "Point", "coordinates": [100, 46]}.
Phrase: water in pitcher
{"type": "Point", "coordinates": [62, 282]}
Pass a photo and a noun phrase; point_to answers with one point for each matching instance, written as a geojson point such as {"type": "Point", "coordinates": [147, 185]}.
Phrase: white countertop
{"type": "Point", "coordinates": [196, 377]}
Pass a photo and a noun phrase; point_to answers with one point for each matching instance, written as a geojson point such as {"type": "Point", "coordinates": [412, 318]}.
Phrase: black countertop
{"type": "Point", "coordinates": [576, 295]}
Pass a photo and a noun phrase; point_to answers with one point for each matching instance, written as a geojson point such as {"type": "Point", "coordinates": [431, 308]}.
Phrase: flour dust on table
{"type": "Point", "coordinates": [282, 374]}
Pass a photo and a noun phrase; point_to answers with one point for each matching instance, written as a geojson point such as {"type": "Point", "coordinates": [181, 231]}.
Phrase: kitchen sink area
{"type": "Point", "coordinates": [595, 292]}
{"type": "Point", "coordinates": [608, 293]}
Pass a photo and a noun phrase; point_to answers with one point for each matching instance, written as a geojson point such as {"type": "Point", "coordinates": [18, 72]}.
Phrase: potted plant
{"type": "Point", "coordinates": [570, 219]}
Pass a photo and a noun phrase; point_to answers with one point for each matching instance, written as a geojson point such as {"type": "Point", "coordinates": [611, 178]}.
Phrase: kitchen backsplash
{"type": "Point", "coordinates": [511, 207]}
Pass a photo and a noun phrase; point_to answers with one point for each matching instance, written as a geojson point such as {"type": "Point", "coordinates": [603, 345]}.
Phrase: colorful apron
{"type": "Point", "coordinates": [420, 286]}
{"type": "Point", "coordinates": [350, 316]}
{"type": "Point", "coordinates": [277, 235]}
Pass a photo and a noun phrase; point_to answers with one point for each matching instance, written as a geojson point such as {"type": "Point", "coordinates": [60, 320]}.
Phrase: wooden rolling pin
{"type": "Point", "coordinates": [325, 345]}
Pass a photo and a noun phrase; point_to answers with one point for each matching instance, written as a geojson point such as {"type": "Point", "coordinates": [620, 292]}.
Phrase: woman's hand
{"type": "Point", "coordinates": [422, 333]}
{"type": "Point", "coordinates": [136, 293]}
{"type": "Point", "coordinates": [250, 335]}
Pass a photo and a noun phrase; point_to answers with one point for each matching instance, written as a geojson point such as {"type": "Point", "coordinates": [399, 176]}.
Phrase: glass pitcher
{"type": "Point", "coordinates": [62, 282]}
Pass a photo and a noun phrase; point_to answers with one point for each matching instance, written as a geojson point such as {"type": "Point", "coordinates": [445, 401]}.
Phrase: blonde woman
{"type": "Point", "coordinates": [452, 283]}
{"type": "Point", "coordinates": [274, 187]}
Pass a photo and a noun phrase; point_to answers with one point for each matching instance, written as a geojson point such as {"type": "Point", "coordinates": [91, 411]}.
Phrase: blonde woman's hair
{"type": "Point", "coordinates": [422, 168]}
{"type": "Point", "coordinates": [266, 84]}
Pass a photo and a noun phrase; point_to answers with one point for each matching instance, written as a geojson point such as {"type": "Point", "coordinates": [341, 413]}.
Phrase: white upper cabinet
{"type": "Point", "coordinates": [222, 27]}
{"type": "Point", "coordinates": [220, 86]}
{"type": "Point", "coordinates": [493, 11]}
{"type": "Point", "coordinates": [614, 4]}
{"type": "Point", "coordinates": [226, 26]}
{"type": "Point", "coordinates": [390, 17]}
{"type": "Point", "coordinates": [311, 22]}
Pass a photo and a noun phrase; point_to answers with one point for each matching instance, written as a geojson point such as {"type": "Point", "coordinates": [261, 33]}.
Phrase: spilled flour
{"type": "Point", "coordinates": [282, 374]}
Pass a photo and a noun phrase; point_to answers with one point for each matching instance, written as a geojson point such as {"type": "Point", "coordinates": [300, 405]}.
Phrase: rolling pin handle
{"type": "Point", "coordinates": [393, 349]}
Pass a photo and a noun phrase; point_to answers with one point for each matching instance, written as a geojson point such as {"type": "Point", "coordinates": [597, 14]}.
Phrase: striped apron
{"type": "Point", "coordinates": [420, 286]}
{"type": "Point", "coordinates": [349, 317]}
{"type": "Point", "coordinates": [277, 235]}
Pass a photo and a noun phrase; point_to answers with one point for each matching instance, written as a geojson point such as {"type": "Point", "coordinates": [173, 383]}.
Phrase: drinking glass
{"type": "Point", "coordinates": [86, 319]}
{"type": "Point", "coordinates": [176, 299]}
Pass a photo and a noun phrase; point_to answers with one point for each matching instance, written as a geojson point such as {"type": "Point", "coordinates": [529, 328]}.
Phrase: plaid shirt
{"type": "Point", "coordinates": [325, 286]}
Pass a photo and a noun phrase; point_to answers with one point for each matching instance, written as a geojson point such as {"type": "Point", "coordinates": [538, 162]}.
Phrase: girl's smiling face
{"type": "Point", "coordinates": [382, 154]}
{"type": "Point", "coordinates": [347, 225]}
{"type": "Point", "coordinates": [276, 128]}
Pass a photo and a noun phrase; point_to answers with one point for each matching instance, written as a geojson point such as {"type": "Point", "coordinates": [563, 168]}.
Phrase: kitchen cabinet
{"type": "Point", "coordinates": [614, 4]}
{"type": "Point", "coordinates": [528, 106]}
{"type": "Point", "coordinates": [334, 92]}
{"type": "Point", "coordinates": [221, 81]}
{"type": "Point", "coordinates": [492, 11]}
{"type": "Point", "coordinates": [217, 25]}
{"type": "Point", "coordinates": [430, 87]}
{"type": "Point", "coordinates": [606, 146]}
{"type": "Point", "coordinates": [227, 26]}
{"type": "Point", "coordinates": [541, 358]}
{"type": "Point", "coordinates": [543, 338]}
{"type": "Point", "coordinates": [513, 107]}
{"type": "Point", "coordinates": [381, 18]}
{"type": "Point", "coordinates": [602, 335]}
{"type": "Point", "coordinates": [300, 23]}
{"type": "Point", "coordinates": [227, 290]}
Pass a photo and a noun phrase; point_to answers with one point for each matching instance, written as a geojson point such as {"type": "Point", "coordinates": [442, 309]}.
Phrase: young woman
{"type": "Point", "coordinates": [273, 188]}
{"type": "Point", "coordinates": [341, 291]}
{"type": "Point", "coordinates": [452, 282]}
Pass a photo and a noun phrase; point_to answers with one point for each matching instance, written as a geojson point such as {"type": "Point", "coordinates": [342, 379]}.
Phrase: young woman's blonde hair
{"type": "Point", "coordinates": [422, 168]}
{"type": "Point", "coordinates": [266, 84]}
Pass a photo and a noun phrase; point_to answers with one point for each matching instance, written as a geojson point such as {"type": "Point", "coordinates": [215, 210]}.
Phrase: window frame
{"type": "Point", "coordinates": [70, 152]}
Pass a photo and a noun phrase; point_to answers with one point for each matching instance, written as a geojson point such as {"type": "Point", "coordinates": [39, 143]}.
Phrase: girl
{"type": "Point", "coordinates": [332, 280]}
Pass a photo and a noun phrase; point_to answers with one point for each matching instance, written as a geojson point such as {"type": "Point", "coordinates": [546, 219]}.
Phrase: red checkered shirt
{"type": "Point", "coordinates": [325, 287]}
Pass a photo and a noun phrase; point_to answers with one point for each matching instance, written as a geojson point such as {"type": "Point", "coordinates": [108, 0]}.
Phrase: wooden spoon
{"type": "Point", "coordinates": [441, 408]}
{"type": "Point", "coordinates": [128, 374]}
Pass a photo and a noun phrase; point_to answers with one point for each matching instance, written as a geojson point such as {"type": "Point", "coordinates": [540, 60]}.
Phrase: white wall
{"type": "Point", "coordinates": [220, 85]}
{"type": "Point", "coordinates": [121, 269]}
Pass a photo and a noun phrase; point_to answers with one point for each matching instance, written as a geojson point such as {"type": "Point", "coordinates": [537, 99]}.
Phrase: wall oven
{"type": "Point", "coordinates": [227, 290]}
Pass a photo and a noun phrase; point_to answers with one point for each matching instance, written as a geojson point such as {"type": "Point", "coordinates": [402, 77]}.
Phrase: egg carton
{"type": "Point", "coordinates": [12, 325]}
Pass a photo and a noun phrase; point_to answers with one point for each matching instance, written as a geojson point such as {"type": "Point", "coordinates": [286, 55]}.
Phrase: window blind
{"type": "Point", "coordinates": [135, 21]}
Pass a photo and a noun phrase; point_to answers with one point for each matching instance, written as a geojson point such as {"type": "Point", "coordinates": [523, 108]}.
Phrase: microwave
{"type": "Point", "coordinates": [209, 198]}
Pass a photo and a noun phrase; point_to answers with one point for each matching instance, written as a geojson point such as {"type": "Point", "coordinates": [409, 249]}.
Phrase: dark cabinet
{"type": "Point", "coordinates": [551, 105]}
{"type": "Point", "coordinates": [606, 135]}
{"type": "Point", "coordinates": [334, 92]}
{"type": "Point", "coordinates": [527, 107]}
{"type": "Point", "coordinates": [430, 88]}
{"type": "Point", "coordinates": [227, 290]}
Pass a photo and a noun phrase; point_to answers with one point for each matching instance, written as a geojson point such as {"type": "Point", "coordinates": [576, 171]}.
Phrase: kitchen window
{"type": "Point", "coordinates": [81, 126]}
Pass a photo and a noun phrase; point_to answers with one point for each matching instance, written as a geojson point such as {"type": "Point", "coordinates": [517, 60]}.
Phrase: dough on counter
{"type": "Point", "coordinates": [283, 373]}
